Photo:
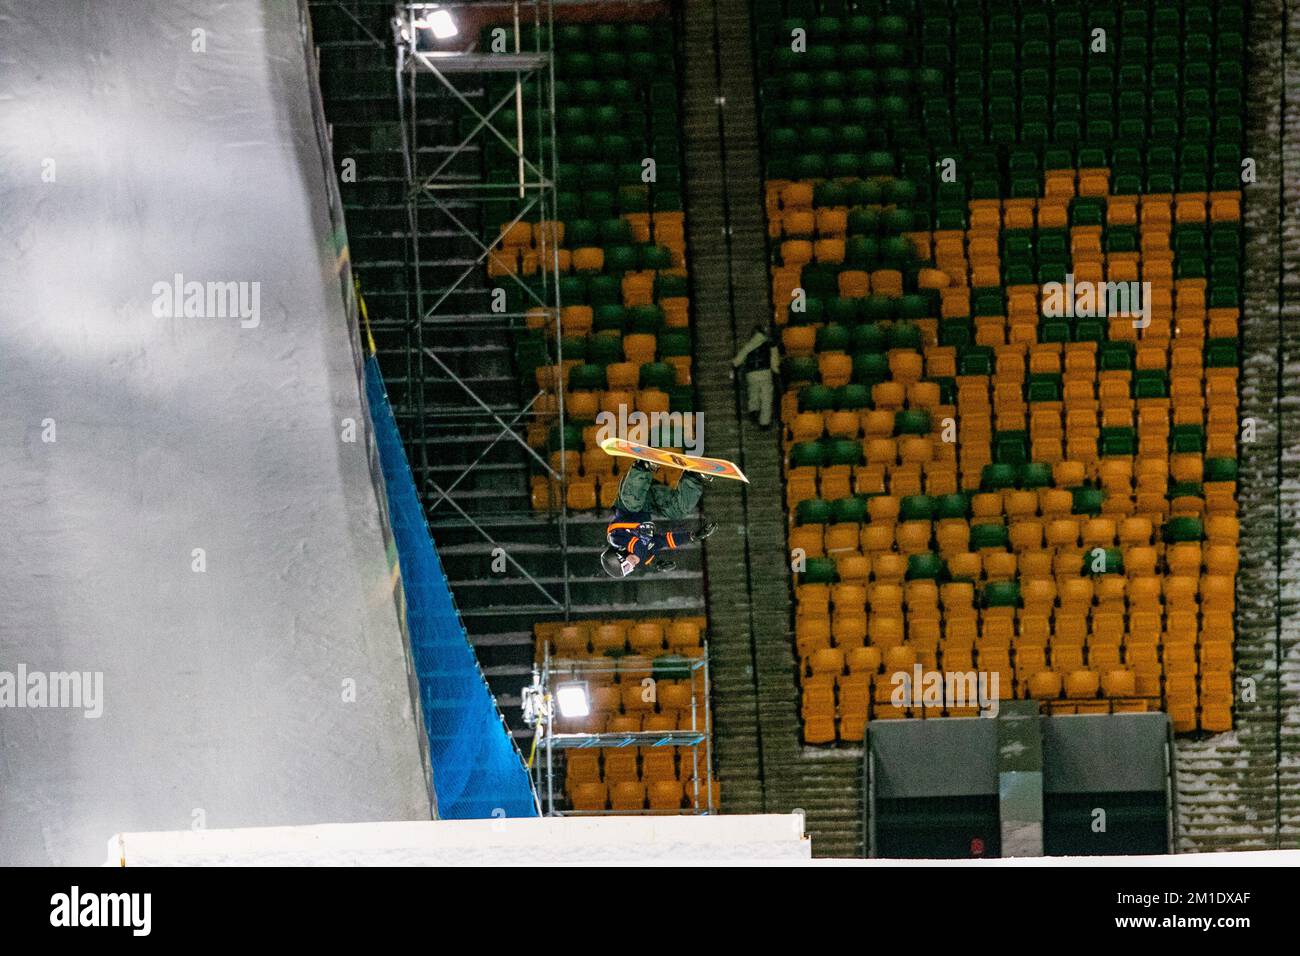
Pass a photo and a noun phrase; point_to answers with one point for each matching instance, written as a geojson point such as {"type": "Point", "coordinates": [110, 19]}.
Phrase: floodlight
{"type": "Point", "coordinates": [573, 700]}
{"type": "Point", "coordinates": [443, 24]}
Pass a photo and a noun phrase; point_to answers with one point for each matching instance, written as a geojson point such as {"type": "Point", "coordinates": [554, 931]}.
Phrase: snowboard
{"type": "Point", "coordinates": [719, 467]}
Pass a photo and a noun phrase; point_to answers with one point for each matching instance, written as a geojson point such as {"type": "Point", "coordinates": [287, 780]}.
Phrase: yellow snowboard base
{"type": "Point", "coordinates": [718, 467]}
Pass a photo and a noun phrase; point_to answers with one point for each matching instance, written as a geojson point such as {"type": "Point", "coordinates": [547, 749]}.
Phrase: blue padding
{"type": "Point", "coordinates": [477, 770]}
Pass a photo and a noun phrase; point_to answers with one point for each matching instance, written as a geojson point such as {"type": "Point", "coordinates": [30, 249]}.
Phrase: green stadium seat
{"type": "Point", "coordinates": [952, 506]}
{"type": "Point", "coordinates": [816, 398]}
{"type": "Point", "coordinates": [801, 369]}
{"type": "Point", "coordinates": [910, 422]}
{"type": "Point", "coordinates": [988, 536]}
{"type": "Point", "coordinates": [844, 451]}
{"type": "Point", "coordinates": [1221, 469]}
{"type": "Point", "coordinates": [1035, 475]}
{"type": "Point", "coordinates": [870, 368]}
{"type": "Point", "coordinates": [656, 375]}
{"type": "Point", "coordinates": [813, 511]}
{"type": "Point", "coordinates": [1087, 501]}
{"type": "Point", "coordinates": [807, 454]}
{"type": "Point", "coordinates": [998, 476]}
{"type": "Point", "coordinates": [1001, 593]}
{"type": "Point", "coordinates": [848, 511]}
{"type": "Point", "coordinates": [819, 570]}
{"type": "Point", "coordinates": [916, 508]}
{"type": "Point", "coordinates": [926, 566]}
{"type": "Point", "coordinates": [852, 397]}
{"type": "Point", "coordinates": [587, 377]}
{"type": "Point", "coordinates": [1183, 529]}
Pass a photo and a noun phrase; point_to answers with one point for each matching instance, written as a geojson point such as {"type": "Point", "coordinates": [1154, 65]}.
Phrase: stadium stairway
{"type": "Point", "coordinates": [735, 712]}
{"type": "Point", "coordinates": [757, 728]}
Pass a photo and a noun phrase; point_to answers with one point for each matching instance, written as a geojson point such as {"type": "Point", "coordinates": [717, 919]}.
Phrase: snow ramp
{"type": "Point", "coordinates": [198, 625]}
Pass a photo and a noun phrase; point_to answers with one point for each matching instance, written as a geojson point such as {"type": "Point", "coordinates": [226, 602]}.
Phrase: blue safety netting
{"type": "Point", "coordinates": [477, 770]}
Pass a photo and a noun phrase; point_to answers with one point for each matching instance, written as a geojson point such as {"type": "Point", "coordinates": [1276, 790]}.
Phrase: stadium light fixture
{"type": "Point", "coordinates": [573, 700]}
{"type": "Point", "coordinates": [443, 24]}
{"type": "Point", "coordinates": [440, 22]}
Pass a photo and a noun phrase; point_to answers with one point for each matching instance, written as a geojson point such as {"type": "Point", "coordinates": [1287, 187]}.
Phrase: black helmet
{"type": "Point", "coordinates": [612, 563]}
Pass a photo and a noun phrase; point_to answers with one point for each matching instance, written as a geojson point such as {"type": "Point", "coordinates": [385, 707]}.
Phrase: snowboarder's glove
{"type": "Point", "coordinates": [663, 565]}
{"type": "Point", "coordinates": [645, 465]}
{"type": "Point", "coordinates": [704, 531]}
{"type": "Point", "coordinates": [645, 530]}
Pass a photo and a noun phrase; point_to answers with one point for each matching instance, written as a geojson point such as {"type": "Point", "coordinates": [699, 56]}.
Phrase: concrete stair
{"type": "Point", "coordinates": [756, 702]}
{"type": "Point", "coordinates": [735, 714]}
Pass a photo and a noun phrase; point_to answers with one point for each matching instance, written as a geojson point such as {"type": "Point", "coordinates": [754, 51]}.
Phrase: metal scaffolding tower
{"type": "Point", "coordinates": [558, 678]}
{"type": "Point", "coordinates": [483, 73]}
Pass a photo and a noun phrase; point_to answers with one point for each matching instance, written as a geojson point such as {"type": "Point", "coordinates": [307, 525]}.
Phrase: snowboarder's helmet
{"type": "Point", "coordinates": [611, 561]}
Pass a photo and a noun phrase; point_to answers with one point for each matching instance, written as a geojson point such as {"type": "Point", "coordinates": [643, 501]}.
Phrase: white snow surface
{"type": "Point", "coordinates": [735, 839]}
{"type": "Point", "coordinates": [223, 690]}
{"type": "Point", "coordinates": [725, 839]}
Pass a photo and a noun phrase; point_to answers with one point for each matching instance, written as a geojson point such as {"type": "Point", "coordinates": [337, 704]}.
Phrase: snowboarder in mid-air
{"type": "Point", "coordinates": [634, 540]}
